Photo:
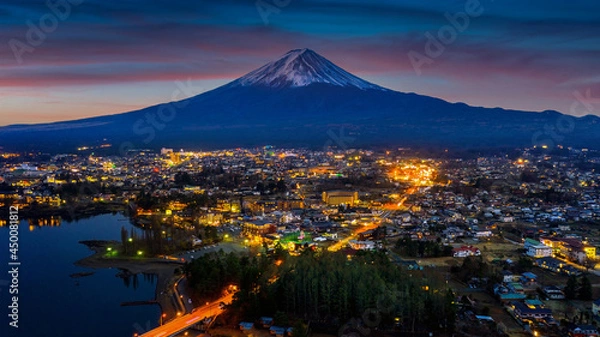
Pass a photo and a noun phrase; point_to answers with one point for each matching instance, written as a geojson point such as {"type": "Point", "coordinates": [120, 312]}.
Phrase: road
{"type": "Point", "coordinates": [186, 321]}
{"type": "Point", "coordinates": [184, 301]}
{"type": "Point", "coordinates": [343, 242]}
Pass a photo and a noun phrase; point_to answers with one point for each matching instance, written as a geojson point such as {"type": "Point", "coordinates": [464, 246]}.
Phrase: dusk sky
{"type": "Point", "coordinates": [107, 57]}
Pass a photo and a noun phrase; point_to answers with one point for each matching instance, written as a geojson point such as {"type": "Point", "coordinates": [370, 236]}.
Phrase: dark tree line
{"type": "Point", "coordinates": [155, 239]}
{"type": "Point", "coordinates": [325, 287]}
{"type": "Point", "coordinates": [413, 248]}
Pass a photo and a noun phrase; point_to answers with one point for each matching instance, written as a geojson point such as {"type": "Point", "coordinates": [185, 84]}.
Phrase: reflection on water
{"type": "Point", "coordinates": [52, 303]}
{"type": "Point", "coordinates": [53, 221]}
{"type": "Point", "coordinates": [132, 279]}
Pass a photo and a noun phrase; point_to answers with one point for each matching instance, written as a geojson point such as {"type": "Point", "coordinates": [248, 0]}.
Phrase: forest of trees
{"type": "Point", "coordinates": [411, 248]}
{"type": "Point", "coordinates": [578, 289]}
{"type": "Point", "coordinates": [325, 287]}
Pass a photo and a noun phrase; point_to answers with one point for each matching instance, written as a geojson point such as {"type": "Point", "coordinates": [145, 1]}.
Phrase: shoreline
{"type": "Point", "coordinates": [163, 269]}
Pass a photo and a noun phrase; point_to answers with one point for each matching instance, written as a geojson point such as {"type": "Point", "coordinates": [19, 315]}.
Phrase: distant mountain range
{"type": "Point", "coordinates": [303, 99]}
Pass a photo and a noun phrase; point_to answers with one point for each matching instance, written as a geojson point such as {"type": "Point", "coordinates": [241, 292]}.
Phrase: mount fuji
{"type": "Point", "coordinates": [303, 99]}
{"type": "Point", "coordinates": [300, 68]}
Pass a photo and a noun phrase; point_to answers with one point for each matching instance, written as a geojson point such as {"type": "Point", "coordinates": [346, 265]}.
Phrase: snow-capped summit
{"type": "Point", "coordinates": [299, 68]}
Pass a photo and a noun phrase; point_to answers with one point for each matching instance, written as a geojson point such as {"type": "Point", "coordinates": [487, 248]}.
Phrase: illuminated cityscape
{"type": "Point", "coordinates": [425, 214]}
{"type": "Point", "coordinates": [316, 168]}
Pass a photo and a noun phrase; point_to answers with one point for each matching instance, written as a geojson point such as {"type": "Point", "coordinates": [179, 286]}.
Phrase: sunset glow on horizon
{"type": "Point", "coordinates": [98, 58]}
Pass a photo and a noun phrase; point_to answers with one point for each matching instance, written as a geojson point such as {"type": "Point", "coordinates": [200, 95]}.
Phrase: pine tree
{"type": "Point", "coordinates": [585, 291]}
{"type": "Point", "coordinates": [571, 288]}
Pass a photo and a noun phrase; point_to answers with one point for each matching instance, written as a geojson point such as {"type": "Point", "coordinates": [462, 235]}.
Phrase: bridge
{"type": "Point", "coordinates": [186, 321]}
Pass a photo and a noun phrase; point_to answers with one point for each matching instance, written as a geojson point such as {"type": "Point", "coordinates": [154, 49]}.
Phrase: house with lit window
{"type": "Point", "coordinates": [583, 330]}
{"type": "Point", "coordinates": [553, 293]}
{"type": "Point", "coordinates": [465, 251]}
{"type": "Point", "coordinates": [537, 249]}
{"type": "Point", "coordinates": [570, 248]}
{"type": "Point", "coordinates": [530, 311]}
{"type": "Point", "coordinates": [528, 279]}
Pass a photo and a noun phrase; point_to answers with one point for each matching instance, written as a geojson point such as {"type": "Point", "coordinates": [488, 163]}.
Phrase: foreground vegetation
{"type": "Point", "coordinates": [325, 287]}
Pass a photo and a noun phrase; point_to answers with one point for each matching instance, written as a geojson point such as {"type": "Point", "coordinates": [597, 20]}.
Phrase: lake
{"type": "Point", "coordinates": [51, 303]}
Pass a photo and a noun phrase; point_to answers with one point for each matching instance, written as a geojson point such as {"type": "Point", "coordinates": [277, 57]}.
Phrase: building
{"type": "Point", "coordinates": [537, 249]}
{"type": "Point", "coordinates": [553, 293]}
{"type": "Point", "coordinates": [528, 279]}
{"type": "Point", "coordinates": [244, 326]}
{"type": "Point", "coordinates": [570, 248]}
{"type": "Point", "coordinates": [482, 233]}
{"type": "Point", "coordinates": [277, 331]}
{"type": "Point", "coordinates": [258, 227]}
{"type": "Point", "coordinates": [583, 331]}
{"type": "Point", "coordinates": [507, 276]}
{"type": "Point", "coordinates": [335, 198]}
{"type": "Point", "coordinates": [516, 288]}
{"type": "Point", "coordinates": [289, 204]}
{"type": "Point", "coordinates": [465, 251]}
{"type": "Point", "coordinates": [531, 312]}
{"type": "Point", "coordinates": [590, 252]}
{"type": "Point", "coordinates": [266, 322]}
{"type": "Point", "coordinates": [531, 242]}
{"type": "Point", "coordinates": [361, 245]}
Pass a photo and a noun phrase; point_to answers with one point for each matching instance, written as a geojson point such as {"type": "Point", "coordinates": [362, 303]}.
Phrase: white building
{"type": "Point", "coordinates": [361, 245]}
{"type": "Point", "coordinates": [538, 251]}
{"type": "Point", "coordinates": [482, 233]}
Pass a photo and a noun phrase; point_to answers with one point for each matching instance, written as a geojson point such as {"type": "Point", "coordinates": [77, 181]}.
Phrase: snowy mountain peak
{"type": "Point", "coordinates": [299, 68]}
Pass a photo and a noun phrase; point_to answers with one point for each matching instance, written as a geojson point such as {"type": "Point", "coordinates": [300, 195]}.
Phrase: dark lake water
{"type": "Point", "coordinates": [51, 303]}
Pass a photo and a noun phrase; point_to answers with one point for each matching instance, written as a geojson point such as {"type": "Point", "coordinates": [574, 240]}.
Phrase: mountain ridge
{"type": "Point", "coordinates": [299, 100]}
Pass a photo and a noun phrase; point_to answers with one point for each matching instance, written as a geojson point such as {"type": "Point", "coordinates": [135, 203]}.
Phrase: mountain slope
{"type": "Point", "coordinates": [299, 68]}
{"type": "Point", "coordinates": [303, 99]}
